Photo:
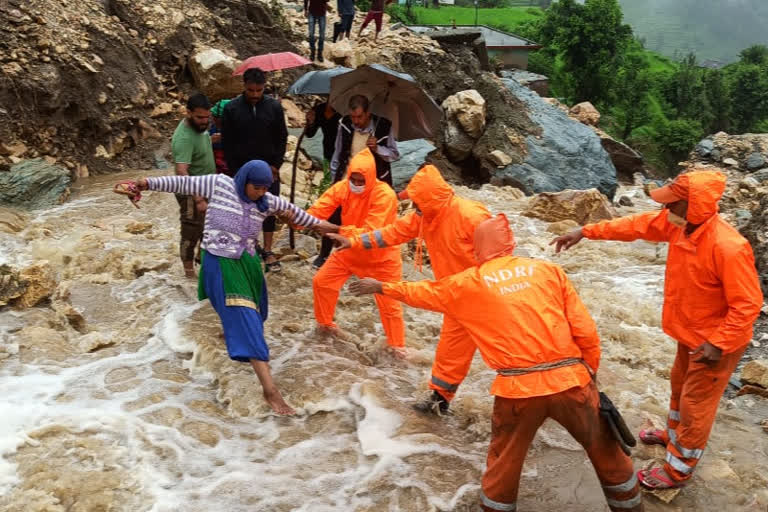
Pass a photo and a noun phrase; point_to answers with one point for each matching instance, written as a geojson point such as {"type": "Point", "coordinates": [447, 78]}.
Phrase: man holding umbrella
{"type": "Point", "coordinates": [361, 129]}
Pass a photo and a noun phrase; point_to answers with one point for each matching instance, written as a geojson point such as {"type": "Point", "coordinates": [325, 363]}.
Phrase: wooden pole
{"type": "Point", "coordinates": [291, 238]}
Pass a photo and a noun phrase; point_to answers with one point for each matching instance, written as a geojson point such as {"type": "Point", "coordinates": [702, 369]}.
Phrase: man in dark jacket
{"type": "Point", "coordinates": [253, 128]}
{"type": "Point", "coordinates": [358, 130]}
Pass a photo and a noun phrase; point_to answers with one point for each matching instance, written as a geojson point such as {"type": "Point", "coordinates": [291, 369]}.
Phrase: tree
{"type": "Point", "coordinates": [677, 138]}
{"type": "Point", "coordinates": [633, 82]}
{"type": "Point", "coordinates": [685, 90]}
{"type": "Point", "coordinates": [757, 54]}
{"type": "Point", "coordinates": [749, 94]}
{"type": "Point", "coordinates": [718, 98]}
{"type": "Point", "coordinates": [590, 38]}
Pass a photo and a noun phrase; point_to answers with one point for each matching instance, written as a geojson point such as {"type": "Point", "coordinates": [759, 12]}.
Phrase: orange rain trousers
{"type": "Point", "coordinates": [331, 277]}
{"type": "Point", "coordinates": [515, 422]}
{"type": "Point", "coordinates": [696, 392]}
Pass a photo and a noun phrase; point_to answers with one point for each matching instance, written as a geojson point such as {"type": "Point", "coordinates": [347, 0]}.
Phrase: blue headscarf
{"type": "Point", "coordinates": [256, 172]}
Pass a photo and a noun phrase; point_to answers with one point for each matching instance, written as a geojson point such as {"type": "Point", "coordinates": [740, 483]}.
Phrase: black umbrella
{"type": "Point", "coordinates": [396, 96]}
{"type": "Point", "coordinates": [316, 82]}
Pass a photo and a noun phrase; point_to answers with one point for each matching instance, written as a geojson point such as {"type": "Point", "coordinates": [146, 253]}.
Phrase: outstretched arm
{"type": "Point", "coordinates": [186, 185]}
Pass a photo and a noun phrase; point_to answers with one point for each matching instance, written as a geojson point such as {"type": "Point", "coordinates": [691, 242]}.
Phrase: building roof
{"type": "Point", "coordinates": [494, 38]}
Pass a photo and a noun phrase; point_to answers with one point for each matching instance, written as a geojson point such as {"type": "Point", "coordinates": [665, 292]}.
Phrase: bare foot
{"type": "Point", "coordinates": [276, 402]}
{"type": "Point", "coordinates": [190, 274]}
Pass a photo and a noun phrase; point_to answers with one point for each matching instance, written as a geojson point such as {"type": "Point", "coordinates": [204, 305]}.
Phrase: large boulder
{"type": "Point", "coordinates": [468, 108]}
{"type": "Point", "coordinates": [34, 184]}
{"type": "Point", "coordinates": [40, 284]}
{"type": "Point", "coordinates": [581, 206]}
{"type": "Point", "coordinates": [212, 72]}
{"type": "Point", "coordinates": [566, 154]}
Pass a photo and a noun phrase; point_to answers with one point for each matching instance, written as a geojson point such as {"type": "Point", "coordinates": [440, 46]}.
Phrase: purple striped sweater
{"type": "Point", "coordinates": [231, 224]}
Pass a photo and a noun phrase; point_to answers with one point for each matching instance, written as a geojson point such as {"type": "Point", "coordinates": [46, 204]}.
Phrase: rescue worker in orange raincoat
{"type": "Point", "coordinates": [447, 225]}
{"type": "Point", "coordinates": [531, 327]}
{"type": "Point", "coordinates": [366, 204]}
{"type": "Point", "coordinates": [711, 300]}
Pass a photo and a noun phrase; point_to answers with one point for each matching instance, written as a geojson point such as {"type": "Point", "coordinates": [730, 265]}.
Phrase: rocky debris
{"type": "Point", "coordinates": [747, 152]}
{"type": "Point", "coordinates": [585, 113]}
{"type": "Point", "coordinates": [212, 72]}
{"type": "Point", "coordinates": [457, 144]}
{"type": "Point", "coordinates": [625, 201]}
{"type": "Point", "coordinates": [566, 154]}
{"type": "Point", "coordinates": [749, 389]}
{"type": "Point", "coordinates": [764, 425]}
{"type": "Point", "coordinates": [34, 184]}
{"type": "Point", "coordinates": [305, 245]}
{"type": "Point", "coordinates": [61, 304]}
{"type": "Point", "coordinates": [162, 109]}
{"type": "Point", "coordinates": [76, 74]}
{"type": "Point", "coordinates": [756, 373]}
{"type": "Point", "coordinates": [581, 206]}
{"type": "Point", "coordinates": [11, 221]}
{"type": "Point", "coordinates": [468, 109]}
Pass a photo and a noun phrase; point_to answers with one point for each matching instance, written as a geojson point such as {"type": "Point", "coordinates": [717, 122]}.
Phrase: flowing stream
{"type": "Point", "coordinates": [138, 408]}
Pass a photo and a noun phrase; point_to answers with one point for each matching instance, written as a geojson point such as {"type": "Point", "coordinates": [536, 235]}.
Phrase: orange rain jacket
{"type": "Point", "coordinates": [446, 222]}
{"type": "Point", "coordinates": [711, 288]}
{"type": "Point", "coordinates": [520, 312]}
{"type": "Point", "coordinates": [374, 208]}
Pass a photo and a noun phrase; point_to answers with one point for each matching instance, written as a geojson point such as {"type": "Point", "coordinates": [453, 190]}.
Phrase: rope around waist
{"type": "Point", "coordinates": [562, 363]}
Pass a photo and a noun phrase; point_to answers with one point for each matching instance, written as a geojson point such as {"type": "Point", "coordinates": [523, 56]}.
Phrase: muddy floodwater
{"type": "Point", "coordinates": [119, 395]}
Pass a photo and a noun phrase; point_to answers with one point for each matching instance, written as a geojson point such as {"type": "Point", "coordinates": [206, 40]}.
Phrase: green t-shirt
{"type": "Point", "coordinates": [194, 148]}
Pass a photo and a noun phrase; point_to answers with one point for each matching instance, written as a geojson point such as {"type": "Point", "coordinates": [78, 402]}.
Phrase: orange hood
{"type": "Point", "coordinates": [429, 191]}
{"type": "Point", "coordinates": [365, 164]}
{"type": "Point", "coordinates": [494, 238]}
{"type": "Point", "coordinates": [702, 190]}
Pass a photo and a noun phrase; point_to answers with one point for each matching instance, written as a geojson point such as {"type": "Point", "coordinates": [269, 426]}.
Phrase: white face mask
{"type": "Point", "coordinates": [676, 220]}
{"type": "Point", "coordinates": [356, 189]}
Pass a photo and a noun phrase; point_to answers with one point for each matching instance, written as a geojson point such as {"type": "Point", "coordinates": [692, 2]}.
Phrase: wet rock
{"type": "Point", "coordinates": [567, 154]}
{"type": "Point", "coordinates": [40, 284]}
{"type": "Point", "coordinates": [730, 162]}
{"type": "Point", "coordinates": [304, 245]}
{"type": "Point", "coordinates": [750, 389]}
{"type": "Point", "coordinates": [34, 184]}
{"type": "Point", "coordinates": [764, 425]}
{"type": "Point", "coordinates": [749, 183]}
{"type": "Point", "coordinates": [625, 201]}
{"type": "Point", "coordinates": [585, 113]}
{"type": "Point", "coordinates": [212, 72]}
{"type": "Point", "coordinates": [755, 161]}
{"type": "Point", "coordinates": [94, 341]}
{"type": "Point", "coordinates": [756, 373]}
{"type": "Point", "coordinates": [11, 221]}
{"type": "Point", "coordinates": [468, 108]}
{"type": "Point", "coordinates": [340, 53]}
{"type": "Point", "coordinates": [581, 206]}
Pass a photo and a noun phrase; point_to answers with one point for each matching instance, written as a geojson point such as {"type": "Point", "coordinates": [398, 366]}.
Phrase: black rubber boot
{"type": "Point", "coordinates": [436, 404]}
